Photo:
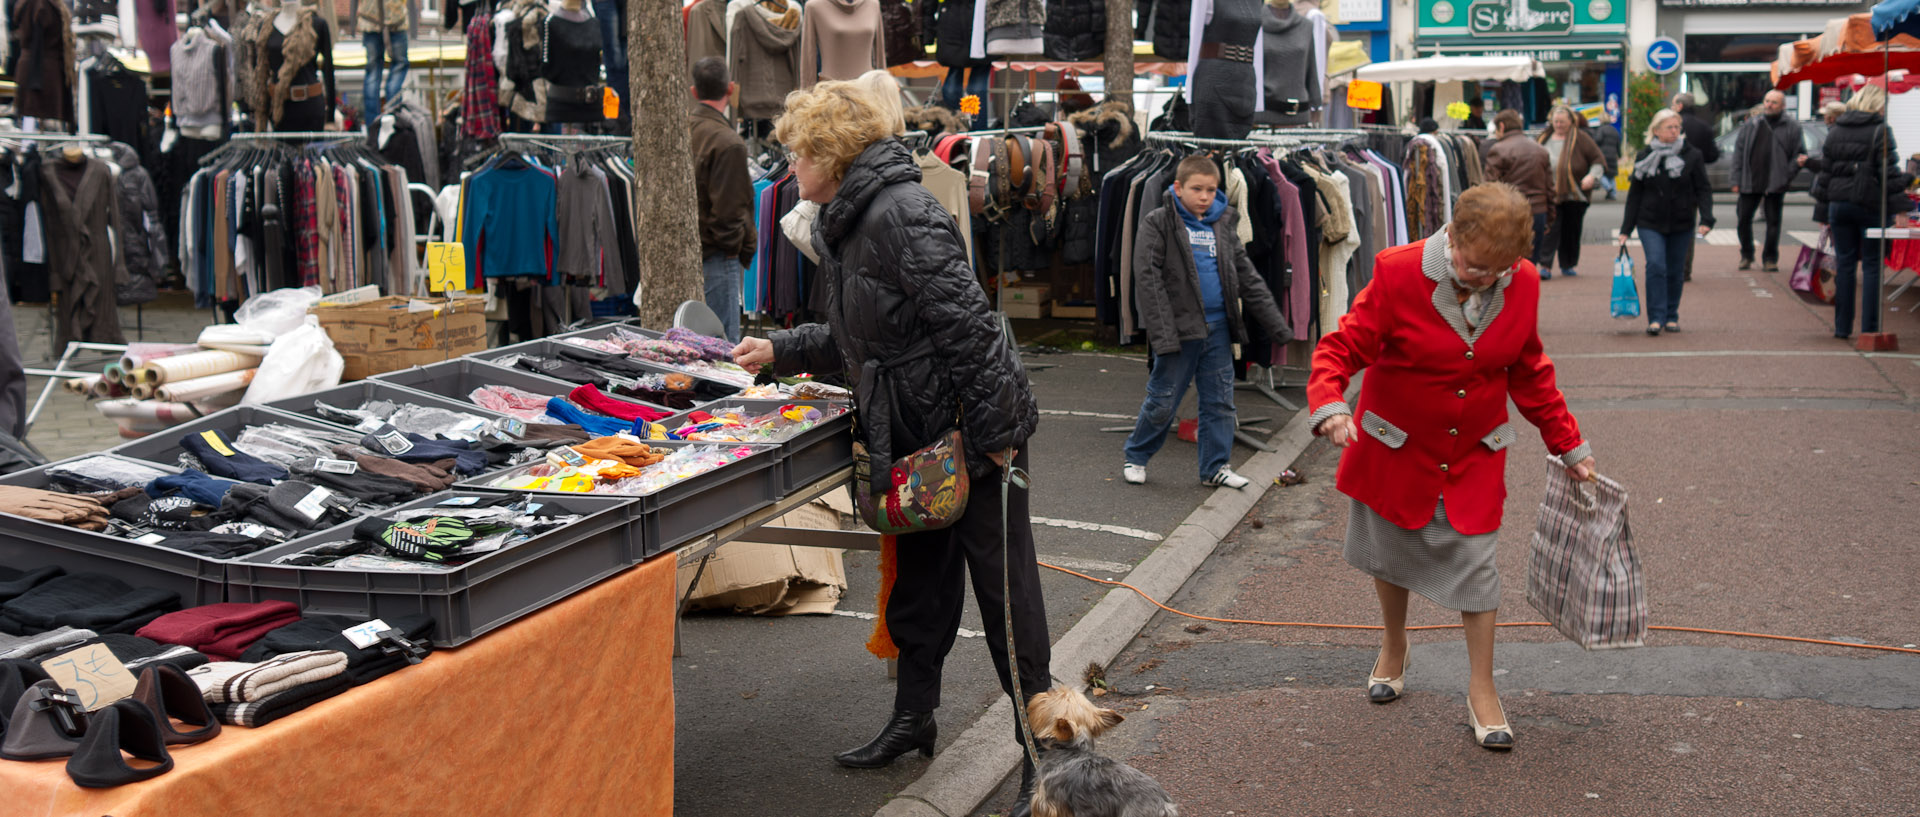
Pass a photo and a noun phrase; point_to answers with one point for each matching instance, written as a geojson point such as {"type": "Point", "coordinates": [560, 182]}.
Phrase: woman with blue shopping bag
{"type": "Point", "coordinates": [1669, 186]}
{"type": "Point", "coordinates": [1626, 296]}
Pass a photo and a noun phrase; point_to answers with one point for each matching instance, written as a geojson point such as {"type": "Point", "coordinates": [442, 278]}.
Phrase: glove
{"type": "Point", "coordinates": [59, 509]}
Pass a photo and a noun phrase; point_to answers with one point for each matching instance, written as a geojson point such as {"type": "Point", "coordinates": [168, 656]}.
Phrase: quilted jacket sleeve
{"type": "Point", "coordinates": [808, 348]}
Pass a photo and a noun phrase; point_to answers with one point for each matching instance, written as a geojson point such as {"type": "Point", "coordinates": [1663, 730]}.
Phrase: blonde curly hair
{"type": "Point", "coordinates": [834, 121]}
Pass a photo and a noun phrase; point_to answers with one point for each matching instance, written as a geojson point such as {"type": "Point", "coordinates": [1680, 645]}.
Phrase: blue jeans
{"type": "Point", "coordinates": [1666, 272]}
{"type": "Point", "coordinates": [723, 290]}
{"type": "Point", "coordinates": [1210, 364]}
{"type": "Point", "coordinates": [1542, 251]}
{"type": "Point", "coordinates": [377, 61]}
{"type": "Point", "coordinates": [1849, 223]}
{"type": "Point", "coordinates": [613, 45]}
{"type": "Point", "coordinates": [978, 82]}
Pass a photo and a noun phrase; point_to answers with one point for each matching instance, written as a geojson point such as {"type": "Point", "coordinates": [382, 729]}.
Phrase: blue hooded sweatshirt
{"type": "Point", "coordinates": [1206, 252]}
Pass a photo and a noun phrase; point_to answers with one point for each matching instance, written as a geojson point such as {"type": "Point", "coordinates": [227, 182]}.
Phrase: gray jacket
{"type": "Point", "coordinates": [1292, 85]}
{"type": "Point", "coordinates": [1775, 157]}
{"type": "Point", "coordinates": [588, 230]}
{"type": "Point", "coordinates": [1166, 284]}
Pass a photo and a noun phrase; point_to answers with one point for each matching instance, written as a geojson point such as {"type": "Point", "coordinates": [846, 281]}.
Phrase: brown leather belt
{"type": "Point", "coordinates": [302, 93]}
{"type": "Point", "coordinates": [979, 173]}
{"type": "Point", "coordinates": [1226, 51]}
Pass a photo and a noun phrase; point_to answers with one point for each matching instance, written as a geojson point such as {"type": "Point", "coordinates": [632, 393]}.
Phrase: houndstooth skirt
{"type": "Point", "coordinates": [1454, 570]}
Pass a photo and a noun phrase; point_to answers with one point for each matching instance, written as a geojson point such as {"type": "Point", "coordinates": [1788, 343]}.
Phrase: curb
{"type": "Point", "coordinates": [972, 767]}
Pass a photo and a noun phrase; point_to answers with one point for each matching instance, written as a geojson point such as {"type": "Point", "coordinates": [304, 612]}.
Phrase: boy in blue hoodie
{"type": "Point", "coordinates": [1192, 280]}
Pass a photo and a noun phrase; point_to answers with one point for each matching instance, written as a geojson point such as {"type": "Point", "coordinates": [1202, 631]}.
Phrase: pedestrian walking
{"type": "Point", "coordinates": [1192, 278]}
{"type": "Point", "coordinates": [902, 306]}
{"type": "Point", "coordinates": [1607, 136]}
{"type": "Point", "coordinates": [1766, 156]}
{"type": "Point", "coordinates": [1669, 187]}
{"type": "Point", "coordinates": [1577, 167]}
{"type": "Point", "coordinates": [1523, 163]}
{"type": "Point", "coordinates": [725, 192]}
{"type": "Point", "coordinates": [1699, 136]}
{"type": "Point", "coordinates": [1829, 113]}
{"type": "Point", "coordinates": [1861, 166]}
{"type": "Point", "coordinates": [1448, 333]}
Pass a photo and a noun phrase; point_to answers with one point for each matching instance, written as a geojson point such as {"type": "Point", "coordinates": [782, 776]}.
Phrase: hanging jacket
{"type": "Point", "coordinates": [1858, 156]}
{"type": "Point", "coordinates": [902, 33]}
{"type": "Point", "coordinates": [948, 24]}
{"type": "Point", "coordinates": [895, 287]}
{"type": "Point", "coordinates": [1014, 26]}
{"type": "Point", "coordinates": [1168, 25]}
{"type": "Point", "coordinates": [144, 237]}
{"type": "Point", "coordinates": [766, 61]}
{"type": "Point", "coordinates": [1076, 29]}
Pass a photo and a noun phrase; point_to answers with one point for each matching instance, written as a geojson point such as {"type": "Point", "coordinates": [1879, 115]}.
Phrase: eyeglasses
{"type": "Point", "coordinates": [1474, 273]}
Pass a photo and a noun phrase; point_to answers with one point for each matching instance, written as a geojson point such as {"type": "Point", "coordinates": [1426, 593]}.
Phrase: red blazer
{"type": "Point", "coordinates": [1432, 413]}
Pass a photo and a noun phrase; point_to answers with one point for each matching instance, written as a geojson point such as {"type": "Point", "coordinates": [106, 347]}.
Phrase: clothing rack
{"type": "Point", "coordinates": [287, 136]}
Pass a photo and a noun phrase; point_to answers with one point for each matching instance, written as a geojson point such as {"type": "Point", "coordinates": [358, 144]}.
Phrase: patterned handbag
{"type": "Point", "coordinates": [1583, 575]}
{"type": "Point", "coordinates": [924, 490]}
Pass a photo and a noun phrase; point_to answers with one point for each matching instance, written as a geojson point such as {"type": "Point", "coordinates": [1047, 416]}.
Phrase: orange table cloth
{"type": "Point", "coordinates": [567, 711]}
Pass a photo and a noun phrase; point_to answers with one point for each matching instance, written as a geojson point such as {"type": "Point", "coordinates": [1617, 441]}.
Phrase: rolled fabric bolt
{"type": "Point", "coordinates": [198, 364]}
{"type": "Point", "coordinates": [199, 388]}
{"type": "Point", "coordinates": [139, 353]}
{"type": "Point", "coordinates": [103, 389]}
{"type": "Point", "coordinates": [135, 377]}
{"type": "Point", "coordinates": [114, 373]}
{"type": "Point", "coordinates": [150, 415]}
{"type": "Point", "coordinates": [144, 391]}
{"type": "Point", "coordinates": [82, 385]}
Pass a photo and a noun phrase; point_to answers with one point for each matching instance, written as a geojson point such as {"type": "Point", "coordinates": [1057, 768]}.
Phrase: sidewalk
{"type": "Point", "coordinates": [1772, 472]}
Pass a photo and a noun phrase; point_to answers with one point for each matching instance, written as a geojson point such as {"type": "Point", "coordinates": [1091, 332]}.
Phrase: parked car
{"type": "Point", "coordinates": [1812, 133]}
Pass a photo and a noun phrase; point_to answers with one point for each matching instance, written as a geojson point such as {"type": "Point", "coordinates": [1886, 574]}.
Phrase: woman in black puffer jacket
{"type": "Point", "coordinates": [903, 307]}
{"type": "Point", "coordinates": [1858, 164]}
{"type": "Point", "coordinates": [1669, 187]}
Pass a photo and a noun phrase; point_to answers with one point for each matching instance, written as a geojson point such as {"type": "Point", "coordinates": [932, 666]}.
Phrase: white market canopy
{"type": "Point", "coordinates": [1453, 69]}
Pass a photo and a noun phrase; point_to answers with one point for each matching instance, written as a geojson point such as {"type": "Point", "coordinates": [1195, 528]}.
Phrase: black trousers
{"type": "Point", "coordinates": [1743, 215]}
{"type": "Point", "coordinates": [929, 592]}
{"type": "Point", "coordinates": [1563, 235]}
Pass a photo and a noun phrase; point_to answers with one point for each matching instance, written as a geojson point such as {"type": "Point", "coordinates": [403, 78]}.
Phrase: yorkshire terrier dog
{"type": "Point", "coordinates": [1073, 781]}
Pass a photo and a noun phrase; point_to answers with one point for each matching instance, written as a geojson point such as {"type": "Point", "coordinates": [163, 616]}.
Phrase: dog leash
{"type": "Point", "coordinates": [1011, 476]}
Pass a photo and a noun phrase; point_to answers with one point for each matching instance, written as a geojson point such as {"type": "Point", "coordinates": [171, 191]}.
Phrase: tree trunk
{"type": "Point", "coordinates": [665, 226]}
{"type": "Point", "coordinates": [1119, 56]}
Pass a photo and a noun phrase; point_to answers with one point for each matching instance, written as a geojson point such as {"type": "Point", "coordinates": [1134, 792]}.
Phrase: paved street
{"type": "Point", "coordinates": [1773, 473]}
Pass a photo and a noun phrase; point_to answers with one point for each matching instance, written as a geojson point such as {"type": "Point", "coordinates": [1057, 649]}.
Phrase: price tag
{"type": "Point", "coordinates": [459, 500]}
{"type": "Point", "coordinates": [365, 635]}
{"type": "Point", "coordinates": [151, 539]}
{"type": "Point", "coordinates": [94, 673]}
{"type": "Point", "coordinates": [567, 456]}
{"type": "Point", "coordinates": [446, 266]}
{"type": "Point", "coordinates": [327, 466]}
{"type": "Point", "coordinates": [314, 504]}
{"type": "Point", "coordinates": [1363, 94]}
{"type": "Point", "coordinates": [393, 440]}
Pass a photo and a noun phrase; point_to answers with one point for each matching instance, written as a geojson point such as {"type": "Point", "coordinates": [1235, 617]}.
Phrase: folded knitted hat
{"type": "Point", "coordinates": [222, 631]}
{"type": "Point", "coordinates": [14, 582]}
{"type": "Point", "coordinates": [275, 707]}
{"type": "Point", "coordinates": [322, 632]}
{"type": "Point", "coordinates": [193, 485]}
{"type": "Point", "coordinates": [140, 653]}
{"type": "Point", "coordinates": [242, 682]}
{"type": "Point", "coordinates": [96, 601]}
{"type": "Point", "coordinates": [431, 476]}
{"type": "Point", "coordinates": [35, 647]}
{"type": "Point", "coordinates": [593, 424]}
{"type": "Point", "coordinates": [589, 396]}
{"type": "Point", "coordinates": [217, 452]}
{"type": "Point", "coordinates": [409, 447]}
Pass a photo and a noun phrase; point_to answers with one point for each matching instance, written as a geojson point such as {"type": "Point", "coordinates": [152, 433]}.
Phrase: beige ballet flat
{"type": "Point", "coordinates": [1386, 690]}
{"type": "Point", "coordinates": [1498, 736]}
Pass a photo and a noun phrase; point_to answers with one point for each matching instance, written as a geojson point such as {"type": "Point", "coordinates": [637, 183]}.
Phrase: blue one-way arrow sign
{"type": "Point", "coordinates": [1663, 55]}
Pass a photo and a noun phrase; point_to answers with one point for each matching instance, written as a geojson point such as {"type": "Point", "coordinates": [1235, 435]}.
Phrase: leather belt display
{"type": "Point", "coordinates": [1226, 51]}
{"type": "Point", "coordinates": [1044, 173]}
{"type": "Point", "coordinates": [978, 175]}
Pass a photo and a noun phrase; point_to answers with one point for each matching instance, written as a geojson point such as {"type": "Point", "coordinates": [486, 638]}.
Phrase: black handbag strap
{"type": "Point", "coordinates": [876, 401]}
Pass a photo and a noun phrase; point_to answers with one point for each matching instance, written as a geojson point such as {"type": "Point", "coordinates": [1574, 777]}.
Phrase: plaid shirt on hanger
{"type": "Point", "coordinates": [480, 100]}
{"type": "Point", "coordinates": [306, 215]}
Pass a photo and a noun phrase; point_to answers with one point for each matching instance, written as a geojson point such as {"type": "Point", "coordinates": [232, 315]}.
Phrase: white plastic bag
{"type": "Point", "coordinates": [299, 362]}
{"type": "Point", "coordinates": [277, 312]}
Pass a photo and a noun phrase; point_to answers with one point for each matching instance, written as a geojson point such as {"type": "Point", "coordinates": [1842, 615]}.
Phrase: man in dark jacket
{"type": "Point", "coordinates": [1766, 156]}
{"type": "Point", "coordinates": [1699, 136]}
{"type": "Point", "coordinates": [1607, 136]}
{"type": "Point", "coordinates": [725, 192]}
{"type": "Point", "coordinates": [1523, 163]}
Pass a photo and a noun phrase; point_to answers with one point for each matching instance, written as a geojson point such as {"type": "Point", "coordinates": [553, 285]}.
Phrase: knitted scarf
{"type": "Point", "coordinates": [301, 46]}
{"type": "Point", "coordinates": [1660, 155]}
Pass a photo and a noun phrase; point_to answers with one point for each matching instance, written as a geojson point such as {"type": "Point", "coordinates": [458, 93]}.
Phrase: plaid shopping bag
{"type": "Point", "coordinates": [1626, 296]}
{"type": "Point", "coordinates": [1583, 575]}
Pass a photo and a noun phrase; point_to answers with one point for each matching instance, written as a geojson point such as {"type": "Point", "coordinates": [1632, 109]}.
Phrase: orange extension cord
{"type": "Point", "coordinates": [1156, 603]}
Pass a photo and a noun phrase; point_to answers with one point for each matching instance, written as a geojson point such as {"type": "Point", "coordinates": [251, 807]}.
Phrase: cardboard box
{"type": "Point", "coordinates": [1062, 309]}
{"type": "Point", "coordinates": [753, 578]}
{"type": "Point", "coordinates": [387, 334]}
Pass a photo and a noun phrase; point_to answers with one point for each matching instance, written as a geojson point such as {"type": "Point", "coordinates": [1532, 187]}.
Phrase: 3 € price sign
{"type": "Point", "coordinates": [94, 673]}
{"type": "Point", "coordinates": [1364, 95]}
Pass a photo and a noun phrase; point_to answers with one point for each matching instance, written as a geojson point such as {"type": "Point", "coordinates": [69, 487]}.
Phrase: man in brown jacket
{"type": "Point", "coordinates": [1523, 163]}
{"type": "Point", "coordinates": [725, 192]}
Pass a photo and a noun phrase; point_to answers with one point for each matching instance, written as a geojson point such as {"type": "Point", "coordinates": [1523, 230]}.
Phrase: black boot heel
{"type": "Point", "coordinates": [905, 732]}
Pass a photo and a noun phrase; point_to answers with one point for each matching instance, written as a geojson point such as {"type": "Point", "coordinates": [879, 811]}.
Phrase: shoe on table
{"type": "Point", "coordinates": [1133, 474]}
{"type": "Point", "coordinates": [1224, 477]}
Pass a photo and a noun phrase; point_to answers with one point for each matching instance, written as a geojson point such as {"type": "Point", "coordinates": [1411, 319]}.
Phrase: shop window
{"type": "Point", "coordinates": [1712, 48]}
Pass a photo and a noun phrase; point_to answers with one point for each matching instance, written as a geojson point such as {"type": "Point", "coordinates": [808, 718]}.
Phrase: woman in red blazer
{"type": "Point", "coordinates": [1447, 330]}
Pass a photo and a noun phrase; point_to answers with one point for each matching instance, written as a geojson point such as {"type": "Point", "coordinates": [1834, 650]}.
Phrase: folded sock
{"type": "Point", "coordinates": [14, 582]}
{"type": "Point", "coordinates": [594, 424]}
{"type": "Point", "coordinates": [589, 396]}
{"type": "Point", "coordinates": [243, 682]}
{"type": "Point", "coordinates": [322, 632]}
{"type": "Point", "coordinates": [275, 707]}
{"type": "Point", "coordinates": [140, 653]}
{"type": "Point", "coordinates": [194, 485]}
{"type": "Point", "coordinates": [217, 452]}
{"type": "Point", "coordinates": [32, 647]}
{"type": "Point", "coordinates": [222, 631]}
{"type": "Point", "coordinates": [94, 601]}
{"type": "Point", "coordinates": [424, 449]}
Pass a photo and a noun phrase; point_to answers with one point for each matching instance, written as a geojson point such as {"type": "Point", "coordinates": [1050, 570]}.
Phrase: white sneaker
{"type": "Point", "coordinates": [1133, 474]}
{"type": "Point", "coordinates": [1225, 476]}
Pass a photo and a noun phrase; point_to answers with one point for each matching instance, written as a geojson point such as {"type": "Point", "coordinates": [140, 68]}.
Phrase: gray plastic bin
{"type": "Point", "coordinates": [351, 395]}
{"type": "Point", "coordinates": [806, 458]}
{"type": "Point", "coordinates": [496, 356]}
{"type": "Point", "coordinates": [467, 601]}
{"type": "Point", "coordinates": [456, 379]}
{"type": "Point", "coordinates": [164, 447]}
{"type": "Point", "coordinates": [27, 543]}
{"type": "Point", "coordinates": [686, 509]}
{"type": "Point", "coordinates": [606, 330]}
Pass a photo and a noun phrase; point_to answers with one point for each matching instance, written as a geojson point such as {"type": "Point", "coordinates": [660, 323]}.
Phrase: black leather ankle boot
{"type": "Point", "coordinates": [904, 733]}
{"type": "Point", "coordinates": [1023, 802]}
